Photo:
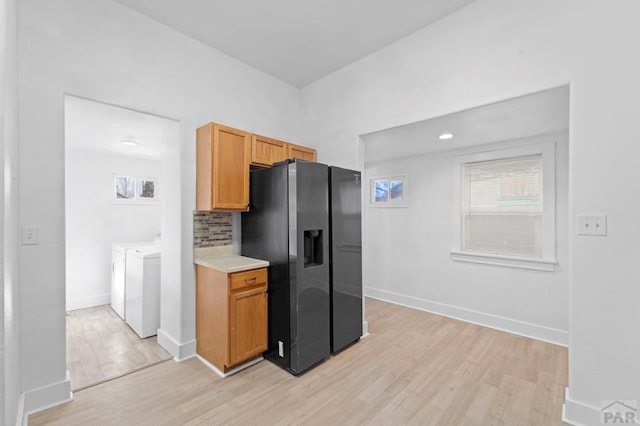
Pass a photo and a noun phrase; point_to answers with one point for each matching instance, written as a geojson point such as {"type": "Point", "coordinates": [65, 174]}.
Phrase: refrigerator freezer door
{"type": "Point", "coordinates": [265, 235]}
{"type": "Point", "coordinates": [346, 257]}
{"type": "Point", "coordinates": [288, 202]}
{"type": "Point", "coordinates": [309, 281]}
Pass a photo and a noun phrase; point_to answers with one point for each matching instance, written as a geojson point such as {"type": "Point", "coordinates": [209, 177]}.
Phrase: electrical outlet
{"type": "Point", "coordinates": [592, 224]}
{"type": "Point", "coordinates": [29, 235]}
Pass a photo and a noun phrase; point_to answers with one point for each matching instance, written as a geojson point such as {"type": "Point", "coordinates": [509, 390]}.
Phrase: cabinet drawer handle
{"type": "Point", "coordinates": [249, 280]}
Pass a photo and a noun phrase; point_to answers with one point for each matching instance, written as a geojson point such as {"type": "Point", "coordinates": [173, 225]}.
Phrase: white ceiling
{"type": "Point", "coordinates": [297, 41]}
{"type": "Point", "coordinates": [96, 127]}
{"type": "Point", "coordinates": [526, 116]}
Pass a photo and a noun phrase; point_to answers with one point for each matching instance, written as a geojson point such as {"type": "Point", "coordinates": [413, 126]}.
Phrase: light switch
{"type": "Point", "coordinates": [592, 224]}
{"type": "Point", "coordinates": [29, 235]}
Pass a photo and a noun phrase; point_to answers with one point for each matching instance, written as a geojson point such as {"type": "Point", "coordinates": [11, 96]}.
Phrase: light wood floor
{"type": "Point", "coordinates": [100, 346]}
{"type": "Point", "coordinates": [414, 368]}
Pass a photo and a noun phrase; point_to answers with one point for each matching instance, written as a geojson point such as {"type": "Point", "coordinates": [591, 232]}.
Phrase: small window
{"type": "Point", "coordinates": [506, 211]}
{"type": "Point", "coordinates": [125, 187]}
{"type": "Point", "coordinates": [146, 188]}
{"type": "Point", "coordinates": [389, 191]}
{"type": "Point", "coordinates": [135, 190]}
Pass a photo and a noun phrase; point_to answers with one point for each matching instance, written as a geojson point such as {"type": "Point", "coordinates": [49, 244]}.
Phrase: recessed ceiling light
{"type": "Point", "coordinates": [129, 142]}
{"type": "Point", "coordinates": [444, 136]}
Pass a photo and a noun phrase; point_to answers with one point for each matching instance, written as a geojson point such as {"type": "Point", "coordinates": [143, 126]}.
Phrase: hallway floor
{"type": "Point", "coordinates": [100, 347]}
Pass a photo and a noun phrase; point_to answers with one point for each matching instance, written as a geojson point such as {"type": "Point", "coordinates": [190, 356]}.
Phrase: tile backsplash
{"type": "Point", "coordinates": [211, 229]}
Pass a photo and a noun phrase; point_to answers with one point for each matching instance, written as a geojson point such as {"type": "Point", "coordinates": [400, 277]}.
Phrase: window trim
{"type": "Point", "coordinates": [548, 260]}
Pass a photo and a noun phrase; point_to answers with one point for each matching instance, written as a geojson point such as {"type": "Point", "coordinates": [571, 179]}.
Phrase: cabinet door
{"type": "Point", "coordinates": [230, 168]}
{"type": "Point", "coordinates": [302, 152]}
{"type": "Point", "coordinates": [266, 151]}
{"type": "Point", "coordinates": [248, 323]}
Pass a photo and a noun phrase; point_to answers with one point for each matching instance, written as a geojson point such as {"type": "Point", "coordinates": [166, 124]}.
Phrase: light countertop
{"type": "Point", "coordinates": [222, 259]}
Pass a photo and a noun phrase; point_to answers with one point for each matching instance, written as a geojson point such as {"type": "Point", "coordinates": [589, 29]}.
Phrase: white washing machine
{"type": "Point", "coordinates": [142, 292]}
{"type": "Point", "coordinates": [118, 274]}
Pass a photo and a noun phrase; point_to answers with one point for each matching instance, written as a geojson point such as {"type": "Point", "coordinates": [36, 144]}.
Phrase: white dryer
{"type": "Point", "coordinates": [142, 294]}
{"type": "Point", "coordinates": [118, 274]}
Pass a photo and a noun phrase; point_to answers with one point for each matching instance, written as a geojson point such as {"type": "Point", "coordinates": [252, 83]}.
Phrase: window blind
{"type": "Point", "coordinates": [502, 206]}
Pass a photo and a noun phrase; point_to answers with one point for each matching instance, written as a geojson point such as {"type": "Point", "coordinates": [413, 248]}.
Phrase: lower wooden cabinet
{"type": "Point", "coordinates": [248, 321]}
{"type": "Point", "coordinates": [231, 316]}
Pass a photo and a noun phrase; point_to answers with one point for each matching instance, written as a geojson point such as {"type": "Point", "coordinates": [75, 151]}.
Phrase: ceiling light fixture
{"type": "Point", "coordinates": [444, 136]}
{"type": "Point", "coordinates": [129, 142]}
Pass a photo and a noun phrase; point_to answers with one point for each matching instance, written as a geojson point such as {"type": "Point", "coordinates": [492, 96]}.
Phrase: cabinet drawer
{"type": "Point", "coordinates": [248, 278]}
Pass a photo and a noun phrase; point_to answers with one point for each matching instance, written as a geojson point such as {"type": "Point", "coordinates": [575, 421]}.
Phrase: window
{"type": "Point", "coordinates": [125, 187]}
{"type": "Point", "coordinates": [146, 188]}
{"type": "Point", "coordinates": [390, 191]}
{"type": "Point", "coordinates": [135, 190]}
{"type": "Point", "coordinates": [506, 210]}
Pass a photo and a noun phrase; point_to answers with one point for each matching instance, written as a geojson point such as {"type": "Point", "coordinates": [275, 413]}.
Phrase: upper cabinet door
{"type": "Point", "coordinates": [302, 152]}
{"type": "Point", "coordinates": [266, 151]}
{"type": "Point", "coordinates": [222, 175]}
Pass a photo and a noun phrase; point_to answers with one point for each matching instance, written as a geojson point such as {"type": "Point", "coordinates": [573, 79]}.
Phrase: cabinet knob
{"type": "Point", "coordinates": [250, 280]}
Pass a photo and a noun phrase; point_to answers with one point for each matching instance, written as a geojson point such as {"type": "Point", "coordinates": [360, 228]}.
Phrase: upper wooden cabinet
{"type": "Point", "coordinates": [223, 156]}
{"type": "Point", "coordinates": [266, 151]}
{"type": "Point", "coordinates": [222, 168]}
{"type": "Point", "coordinates": [302, 152]}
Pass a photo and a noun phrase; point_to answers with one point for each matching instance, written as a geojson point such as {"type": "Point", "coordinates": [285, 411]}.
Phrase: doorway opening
{"type": "Point", "coordinates": [445, 221]}
{"type": "Point", "coordinates": [115, 174]}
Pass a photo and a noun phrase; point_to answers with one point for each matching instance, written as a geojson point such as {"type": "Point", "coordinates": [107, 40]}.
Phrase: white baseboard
{"type": "Point", "coordinates": [546, 334]}
{"type": "Point", "coordinates": [180, 351]}
{"type": "Point", "coordinates": [365, 328]}
{"type": "Point", "coordinates": [232, 371]}
{"type": "Point", "coordinates": [42, 398]}
{"type": "Point", "coordinates": [21, 419]}
{"type": "Point", "coordinates": [578, 413]}
{"type": "Point", "coordinates": [88, 302]}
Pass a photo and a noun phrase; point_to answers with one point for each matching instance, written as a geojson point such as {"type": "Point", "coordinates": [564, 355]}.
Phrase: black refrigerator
{"type": "Point", "coordinates": [345, 254]}
{"type": "Point", "coordinates": [288, 224]}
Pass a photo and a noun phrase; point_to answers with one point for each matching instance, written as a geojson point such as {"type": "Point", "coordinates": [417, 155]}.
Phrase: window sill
{"type": "Point", "coordinates": [546, 265]}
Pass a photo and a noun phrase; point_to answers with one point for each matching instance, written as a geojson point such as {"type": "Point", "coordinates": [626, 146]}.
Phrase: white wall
{"type": "Point", "coordinates": [3, 43]}
{"type": "Point", "coordinates": [408, 261]}
{"type": "Point", "coordinates": [103, 51]}
{"type": "Point", "coordinates": [497, 49]}
{"type": "Point", "coordinates": [94, 222]}
{"type": "Point", "coordinates": [9, 346]}
{"type": "Point", "coordinates": [604, 311]}
{"type": "Point", "coordinates": [488, 51]}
